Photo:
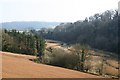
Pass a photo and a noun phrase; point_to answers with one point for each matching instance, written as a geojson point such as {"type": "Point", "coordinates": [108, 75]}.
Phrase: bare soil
{"type": "Point", "coordinates": [19, 66]}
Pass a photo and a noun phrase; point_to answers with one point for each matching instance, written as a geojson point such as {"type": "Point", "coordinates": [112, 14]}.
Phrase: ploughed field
{"type": "Point", "coordinates": [19, 66]}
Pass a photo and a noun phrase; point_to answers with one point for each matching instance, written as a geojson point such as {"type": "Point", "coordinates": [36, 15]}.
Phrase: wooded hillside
{"type": "Point", "coordinates": [25, 43]}
{"type": "Point", "coordinates": [99, 31]}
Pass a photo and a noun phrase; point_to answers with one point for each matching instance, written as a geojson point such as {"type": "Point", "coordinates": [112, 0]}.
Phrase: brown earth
{"type": "Point", "coordinates": [19, 66]}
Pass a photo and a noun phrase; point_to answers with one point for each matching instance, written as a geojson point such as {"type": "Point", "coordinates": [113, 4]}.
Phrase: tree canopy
{"type": "Point", "coordinates": [99, 31]}
{"type": "Point", "coordinates": [25, 43]}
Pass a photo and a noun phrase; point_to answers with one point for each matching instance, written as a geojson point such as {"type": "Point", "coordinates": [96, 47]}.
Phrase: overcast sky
{"type": "Point", "coordinates": [52, 10]}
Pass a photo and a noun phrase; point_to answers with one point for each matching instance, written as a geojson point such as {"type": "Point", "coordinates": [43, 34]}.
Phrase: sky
{"type": "Point", "coordinates": [52, 10]}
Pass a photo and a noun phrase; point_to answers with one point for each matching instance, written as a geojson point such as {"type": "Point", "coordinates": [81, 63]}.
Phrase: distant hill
{"type": "Point", "coordinates": [23, 25]}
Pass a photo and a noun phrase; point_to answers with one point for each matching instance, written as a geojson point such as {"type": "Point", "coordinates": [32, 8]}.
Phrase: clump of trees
{"type": "Point", "coordinates": [74, 59]}
{"type": "Point", "coordinates": [61, 58]}
{"type": "Point", "coordinates": [99, 31]}
{"type": "Point", "coordinates": [25, 43]}
{"type": "Point", "coordinates": [81, 51]}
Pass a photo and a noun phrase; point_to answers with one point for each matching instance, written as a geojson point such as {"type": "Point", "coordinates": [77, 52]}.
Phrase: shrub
{"type": "Point", "coordinates": [61, 58]}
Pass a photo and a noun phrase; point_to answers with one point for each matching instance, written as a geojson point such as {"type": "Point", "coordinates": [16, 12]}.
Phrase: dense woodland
{"type": "Point", "coordinates": [99, 31]}
{"type": "Point", "coordinates": [24, 43]}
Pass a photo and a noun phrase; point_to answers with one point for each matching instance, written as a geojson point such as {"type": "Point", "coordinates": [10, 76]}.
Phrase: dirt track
{"type": "Point", "coordinates": [19, 66]}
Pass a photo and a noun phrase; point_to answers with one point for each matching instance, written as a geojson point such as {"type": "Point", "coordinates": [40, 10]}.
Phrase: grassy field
{"type": "Point", "coordinates": [96, 62]}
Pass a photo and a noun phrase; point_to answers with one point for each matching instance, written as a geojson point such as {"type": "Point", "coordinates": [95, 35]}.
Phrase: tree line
{"type": "Point", "coordinates": [22, 42]}
{"type": "Point", "coordinates": [99, 31]}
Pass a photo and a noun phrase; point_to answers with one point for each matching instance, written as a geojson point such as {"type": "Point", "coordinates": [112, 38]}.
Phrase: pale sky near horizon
{"type": "Point", "coordinates": [52, 10]}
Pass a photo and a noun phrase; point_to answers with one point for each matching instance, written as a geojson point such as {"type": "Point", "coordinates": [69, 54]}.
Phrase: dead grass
{"type": "Point", "coordinates": [108, 70]}
{"type": "Point", "coordinates": [94, 62]}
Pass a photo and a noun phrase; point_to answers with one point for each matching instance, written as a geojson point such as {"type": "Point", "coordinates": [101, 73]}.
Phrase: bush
{"type": "Point", "coordinates": [61, 58]}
